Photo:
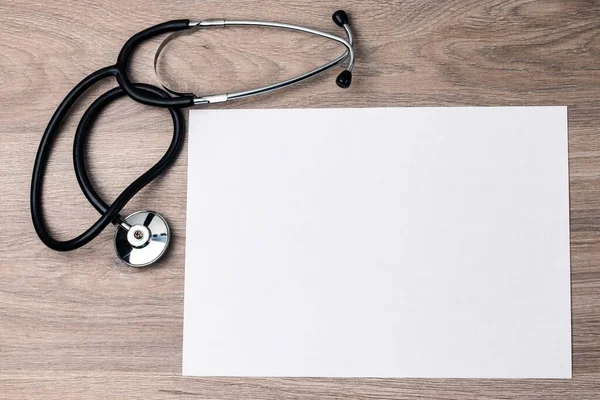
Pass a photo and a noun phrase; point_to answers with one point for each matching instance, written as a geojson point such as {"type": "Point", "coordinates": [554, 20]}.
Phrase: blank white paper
{"type": "Point", "coordinates": [378, 242]}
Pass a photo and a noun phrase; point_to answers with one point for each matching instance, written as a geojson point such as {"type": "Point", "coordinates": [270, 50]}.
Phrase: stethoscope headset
{"type": "Point", "coordinates": [142, 237]}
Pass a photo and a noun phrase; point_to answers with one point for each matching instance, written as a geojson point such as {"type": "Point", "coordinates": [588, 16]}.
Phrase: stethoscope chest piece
{"type": "Point", "coordinates": [143, 240]}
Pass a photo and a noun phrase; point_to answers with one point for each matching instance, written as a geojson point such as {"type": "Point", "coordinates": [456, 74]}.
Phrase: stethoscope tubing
{"type": "Point", "coordinates": [85, 126]}
{"type": "Point", "coordinates": [143, 93]}
{"type": "Point", "coordinates": [110, 214]}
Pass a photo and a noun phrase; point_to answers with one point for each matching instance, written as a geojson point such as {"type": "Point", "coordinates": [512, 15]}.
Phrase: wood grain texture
{"type": "Point", "coordinates": [81, 325]}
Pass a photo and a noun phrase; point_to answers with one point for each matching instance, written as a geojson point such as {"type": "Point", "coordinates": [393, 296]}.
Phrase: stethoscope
{"type": "Point", "coordinates": [142, 237]}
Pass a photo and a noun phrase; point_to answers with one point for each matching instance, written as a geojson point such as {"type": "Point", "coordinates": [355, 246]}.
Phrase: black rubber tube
{"type": "Point", "coordinates": [142, 93]}
{"type": "Point", "coordinates": [52, 130]}
{"type": "Point", "coordinates": [123, 64]}
{"type": "Point", "coordinates": [80, 146]}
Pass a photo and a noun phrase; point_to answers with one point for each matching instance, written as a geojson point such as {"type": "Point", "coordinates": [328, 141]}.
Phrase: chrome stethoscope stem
{"type": "Point", "coordinates": [349, 53]}
{"type": "Point", "coordinates": [347, 43]}
{"type": "Point", "coordinates": [223, 97]}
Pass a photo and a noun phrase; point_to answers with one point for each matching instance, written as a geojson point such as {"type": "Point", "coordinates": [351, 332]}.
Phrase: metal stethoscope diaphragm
{"type": "Point", "coordinates": [142, 237]}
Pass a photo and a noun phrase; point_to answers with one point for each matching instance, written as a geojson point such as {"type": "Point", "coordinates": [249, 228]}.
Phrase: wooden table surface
{"type": "Point", "coordinates": [81, 325]}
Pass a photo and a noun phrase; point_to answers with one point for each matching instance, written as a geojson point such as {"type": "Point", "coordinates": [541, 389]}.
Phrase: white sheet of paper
{"type": "Point", "coordinates": [381, 242]}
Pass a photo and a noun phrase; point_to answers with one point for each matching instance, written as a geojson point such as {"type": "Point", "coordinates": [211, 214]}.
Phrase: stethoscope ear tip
{"type": "Point", "coordinates": [344, 79]}
{"type": "Point", "coordinates": [340, 18]}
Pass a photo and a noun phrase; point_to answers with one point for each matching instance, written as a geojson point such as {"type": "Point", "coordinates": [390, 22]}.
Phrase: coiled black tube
{"type": "Point", "coordinates": [80, 146]}
{"type": "Point", "coordinates": [143, 93]}
{"type": "Point", "coordinates": [109, 213]}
